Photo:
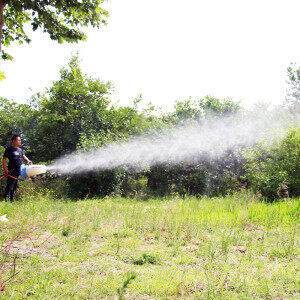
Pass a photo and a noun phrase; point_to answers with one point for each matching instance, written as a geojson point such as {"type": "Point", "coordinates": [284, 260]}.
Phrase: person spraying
{"type": "Point", "coordinates": [15, 155]}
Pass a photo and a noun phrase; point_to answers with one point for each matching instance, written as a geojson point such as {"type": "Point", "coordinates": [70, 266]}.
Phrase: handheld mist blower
{"type": "Point", "coordinates": [27, 171]}
{"type": "Point", "coordinates": [32, 170]}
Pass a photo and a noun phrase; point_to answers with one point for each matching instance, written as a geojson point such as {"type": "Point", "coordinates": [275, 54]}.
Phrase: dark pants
{"type": "Point", "coordinates": [11, 186]}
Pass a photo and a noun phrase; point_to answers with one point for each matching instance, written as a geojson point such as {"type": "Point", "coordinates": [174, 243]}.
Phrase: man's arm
{"type": "Point", "coordinates": [4, 165]}
{"type": "Point", "coordinates": [27, 159]}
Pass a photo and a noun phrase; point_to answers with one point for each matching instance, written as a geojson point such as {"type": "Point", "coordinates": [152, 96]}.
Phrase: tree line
{"type": "Point", "coordinates": [75, 113]}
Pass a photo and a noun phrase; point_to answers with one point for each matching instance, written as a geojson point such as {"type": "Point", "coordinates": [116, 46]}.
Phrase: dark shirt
{"type": "Point", "coordinates": [15, 159]}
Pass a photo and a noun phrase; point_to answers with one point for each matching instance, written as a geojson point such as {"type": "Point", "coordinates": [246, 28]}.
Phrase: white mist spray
{"type": "Point", "coordinates": [211, 137]}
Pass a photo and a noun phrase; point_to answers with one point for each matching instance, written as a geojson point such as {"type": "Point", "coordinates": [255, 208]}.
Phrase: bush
{"type": "Point", "coordinates": [94, 184]}
{"type": "Point", "coordinates": [202, 175]}
{"type": "Point", "coordinates": [144, 259]}
{"type": "Point", "coordinates": [274, 170]}
{"type": "Point", "coordinates": [134, 185]}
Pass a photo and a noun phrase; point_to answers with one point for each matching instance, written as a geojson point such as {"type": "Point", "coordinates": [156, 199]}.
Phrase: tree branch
{"type": "Point", "coordinates": [2, 4]}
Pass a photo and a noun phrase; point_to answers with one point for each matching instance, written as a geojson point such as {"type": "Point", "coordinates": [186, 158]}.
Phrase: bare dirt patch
{"type": "Point", "coordinates": [28, 246]}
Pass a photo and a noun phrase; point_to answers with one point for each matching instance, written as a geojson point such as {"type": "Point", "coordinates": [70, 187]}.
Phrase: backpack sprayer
{"type": "Point", "coordinates": [29, 171]}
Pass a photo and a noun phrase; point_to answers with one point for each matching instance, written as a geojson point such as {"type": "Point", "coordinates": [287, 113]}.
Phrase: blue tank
{"type": "Point", "coordinates": [23, 172]}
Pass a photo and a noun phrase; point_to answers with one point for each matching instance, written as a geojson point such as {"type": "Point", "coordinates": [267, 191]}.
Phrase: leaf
{"type": "Point", "coordinates": [2, 76]}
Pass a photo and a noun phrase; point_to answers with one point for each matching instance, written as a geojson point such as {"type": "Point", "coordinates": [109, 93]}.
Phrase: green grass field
{"type": "Point", "coordinates": [235, 247]}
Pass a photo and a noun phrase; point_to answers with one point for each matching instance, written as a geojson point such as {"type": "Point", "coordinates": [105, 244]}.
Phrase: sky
{"type": "Point", "coordinates": [170, 50]}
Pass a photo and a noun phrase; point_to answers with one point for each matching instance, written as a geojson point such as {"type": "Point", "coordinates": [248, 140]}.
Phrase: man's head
{"type": "Point", "coordinates": [16, 140]}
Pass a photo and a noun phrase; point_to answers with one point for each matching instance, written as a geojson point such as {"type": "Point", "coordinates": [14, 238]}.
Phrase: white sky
{"type": "Point", "coordinates": [169, 50]}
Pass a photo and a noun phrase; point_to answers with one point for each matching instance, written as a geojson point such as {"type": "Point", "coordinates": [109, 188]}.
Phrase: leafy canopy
{"type": "Point", "coordinates": [61, 19]}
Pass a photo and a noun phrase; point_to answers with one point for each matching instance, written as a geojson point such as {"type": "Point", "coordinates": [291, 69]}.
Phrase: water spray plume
{"type": "Point", "coordinates": [211, 137]}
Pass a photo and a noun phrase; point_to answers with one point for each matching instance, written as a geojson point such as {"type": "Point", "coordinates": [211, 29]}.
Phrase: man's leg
{"type": "Point", "coordinates": [9, 187]}
{"type": "Point", "coordinates": [12, 191]}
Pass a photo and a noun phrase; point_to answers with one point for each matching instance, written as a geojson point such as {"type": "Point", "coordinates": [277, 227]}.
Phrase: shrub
{"type": "Point", "coordinates": [272, 170]}
{"type": "Point", "coordinates": [202, 175]}
{"type": "Point", "coordinates": [144, 259]}
{"type": "Point", "coordinates": [94, 184]}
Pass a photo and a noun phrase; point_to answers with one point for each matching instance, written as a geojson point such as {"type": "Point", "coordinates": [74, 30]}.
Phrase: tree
{"type": "Point", "coordinates": [293, 93]}
{"type": "Point", "coordinates": [197, 109]}
{"type": "Point", "coordinates": [76, 112]}
{"type": "Point", "coordinates": [74, 105]}
{"type": "Point", "coordinates": [61, 19]}
{"type": "Point", "coordinates": [11, 115]}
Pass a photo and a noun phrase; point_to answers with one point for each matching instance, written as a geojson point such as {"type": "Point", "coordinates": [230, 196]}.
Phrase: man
{"type": "Point", "coordinates": [15, 155]}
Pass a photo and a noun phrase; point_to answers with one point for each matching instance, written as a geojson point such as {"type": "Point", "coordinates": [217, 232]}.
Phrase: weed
{"type": "Point", "coordinates": [144, 259]}
{"type": "Point", "coordinates": [66, 231]}
{"type": "Point", "coordinates": [123, 288]}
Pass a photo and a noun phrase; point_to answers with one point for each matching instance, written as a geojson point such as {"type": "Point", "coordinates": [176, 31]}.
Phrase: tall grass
{"type": "Point", "coordinates": [225, 247]}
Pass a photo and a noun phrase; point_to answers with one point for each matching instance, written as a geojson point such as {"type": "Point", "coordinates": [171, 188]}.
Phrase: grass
{"type": "Point", "coordinates": [231, 247]}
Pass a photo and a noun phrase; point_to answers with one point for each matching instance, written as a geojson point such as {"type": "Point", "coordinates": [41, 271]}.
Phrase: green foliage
{"type": "Point", "coordinates": [2, 76]}
{"type": "Point", "coordinates": [135, 185]}
{"type": "Point", "coordinates": [144, 259]}
{"type": "Point", "coordinates": [76, 114]}
{"type": "Point", "coordinates": [16, 119]}
{"type": "Point", "coordinates": [274, 170]}
{"type": "Point", "coordinates": [159, 179]}
{"type": "Point", "coordinates": [201, 175]}
{"type": "Point", "coordinates": [101, 184]}
{"type": "Point", "coordinates": [62, 20]}
{"type": "Point", "coordinates": [198, 109]}
{"type": "Point", "coordinates": [9, 115]}
{"type": "Point", "coordinates": [90, 122]}
{"type": "Point", "coordinates": [2, 149]}
{"type": "Point", "coordinates": [75, 105]}
{"type": "Point", "coordinates": [293, 93]}
{"type": "Point", "coordinates": [66, 231]}
{"type": "Point", "coordinates": [122, 289]}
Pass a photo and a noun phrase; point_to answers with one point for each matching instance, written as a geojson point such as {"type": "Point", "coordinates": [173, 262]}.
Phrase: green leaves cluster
{"type": "Point", "coordinates": [198, 109]}
{"type": "Point", "coordinates": [274, 170]}
{"type": "Point", "coordinates": [74, 106]}
{"type": "Point", "coordinates": [63, 20]}
{"type": "Point", "coordinates": [11, 119]}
